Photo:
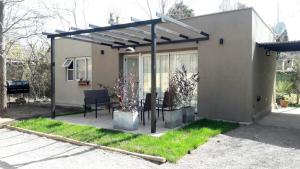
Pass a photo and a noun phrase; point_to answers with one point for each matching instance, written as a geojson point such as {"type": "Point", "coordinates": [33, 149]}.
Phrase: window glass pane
{"type": "Point", "coordinates": [67, 62]}
{"type": "Point", "coordinates": [166, 65]}
{"type": "Point", "coordinates": [89, 69]}
{"type": "Point", "coordinates": [80, 69]}
{"type": "Point", "coordinates": [70, 74]}
{"type": "Point", "coordinates": [147, 74]}
{"type": "Point", "coordinates": [71, 66]}
{"type": "Point", "coordinates": [162, 74]}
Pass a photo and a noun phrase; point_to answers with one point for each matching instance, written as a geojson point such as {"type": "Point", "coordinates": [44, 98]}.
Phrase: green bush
{"type": "Point", "coordinates": [284, 88]}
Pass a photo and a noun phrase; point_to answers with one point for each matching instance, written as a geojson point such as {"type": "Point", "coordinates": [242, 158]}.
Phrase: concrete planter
{"type": "Point", "coordinates": [126, 120]}
{"type": "Point", "coordinates": [188, 114]}
{"type": "Point", "coordinates": [173, 118]}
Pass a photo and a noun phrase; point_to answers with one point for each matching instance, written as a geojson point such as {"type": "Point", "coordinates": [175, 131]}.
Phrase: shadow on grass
{"type": "Point", "coordinates": [210, 124]}
{"type": "Point", "coordinates": [120, 141]}
{"type": "Point", "coordinates": [54, 125]}
{"type": "Point", "coordinates": [112, 137]}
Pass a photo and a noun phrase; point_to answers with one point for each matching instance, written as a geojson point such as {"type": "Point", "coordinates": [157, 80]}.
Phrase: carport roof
{"type": "Point", "coordinates": [288, 46]}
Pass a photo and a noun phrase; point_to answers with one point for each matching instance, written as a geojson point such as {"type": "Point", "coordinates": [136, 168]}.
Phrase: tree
{"type": "Point", "coordinates": [20, 20]}
{"type": "Point", "coordinates": [180, 11]}
{"type": "Point", "coordinates": [227, 5]}
{"type": "Point", "coordinates": [162, 6]}
{"type": "Point", "coordinates": [71, 13]}
{"type": "Point", "coordinates": [3, 97]}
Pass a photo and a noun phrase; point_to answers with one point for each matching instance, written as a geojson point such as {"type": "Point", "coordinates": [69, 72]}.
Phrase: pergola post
{"type": "Point", "coordinates": [153, 78]}
{"type": "Point", "coordinates": [53, 77]}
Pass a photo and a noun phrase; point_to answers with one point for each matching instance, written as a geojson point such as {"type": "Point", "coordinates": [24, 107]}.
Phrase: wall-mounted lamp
{"type": "Point", "coordinates": [221, 41]}
{"type": "Point", "coordinates": [268, 52]}
{"type": "Point", "coordinates": [130, 50]}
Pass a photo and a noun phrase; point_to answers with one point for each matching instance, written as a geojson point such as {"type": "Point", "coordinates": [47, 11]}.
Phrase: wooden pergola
{"type": "Point", "coordinates": [133, 35]}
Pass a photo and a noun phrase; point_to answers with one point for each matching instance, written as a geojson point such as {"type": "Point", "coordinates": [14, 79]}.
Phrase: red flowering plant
{"type": "Point", "coordinates": [126, 91]}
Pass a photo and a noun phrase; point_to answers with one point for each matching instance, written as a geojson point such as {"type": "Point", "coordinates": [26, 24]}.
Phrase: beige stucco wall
{"type": "Point", "coordinates": [263, 69]}
{"type": "Point", "coordinates": [225, 70]}
{"type": "Point", "coordinates": [105, 69]}
{"type": "Point", "coordinates": [105, 66]}
{"type": "Point", "coordinates": [68, 93]}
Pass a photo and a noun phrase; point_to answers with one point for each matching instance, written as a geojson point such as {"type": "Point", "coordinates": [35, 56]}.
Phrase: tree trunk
{"type": "Point", "coordinates": [3, 96]}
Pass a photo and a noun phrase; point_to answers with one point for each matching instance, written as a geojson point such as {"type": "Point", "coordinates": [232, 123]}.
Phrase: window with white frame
{"type": "Point", "coordinates": [83, 68]}
{"type": "Point", "coordinates": [69, 66]}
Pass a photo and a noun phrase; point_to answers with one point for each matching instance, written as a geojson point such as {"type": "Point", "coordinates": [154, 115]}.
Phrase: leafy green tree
{"type": "Point", "coordinates": [180, 11]}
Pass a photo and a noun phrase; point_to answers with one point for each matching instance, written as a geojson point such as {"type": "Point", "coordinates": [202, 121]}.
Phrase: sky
{"type": "Point", "coordinates": [97, 12]}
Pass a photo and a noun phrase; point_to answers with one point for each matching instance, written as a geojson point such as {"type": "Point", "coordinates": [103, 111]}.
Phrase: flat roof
{"type": "Point", "coordinates": [288, 46]}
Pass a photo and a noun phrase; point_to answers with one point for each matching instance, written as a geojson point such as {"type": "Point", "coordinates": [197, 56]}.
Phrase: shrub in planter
{"type": "Point", "coordinates": [186, 86]}
{"type": "Point", "coordinates": [126, 118]}
{"type": "Point", "coordinates": [284, 103]}
{"type": "Point", "coordinates": [173, 116]}
{"type": "Point", "coordinates": [284, 88]}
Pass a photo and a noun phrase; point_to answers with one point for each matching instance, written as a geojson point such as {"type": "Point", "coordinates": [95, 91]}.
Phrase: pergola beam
{"type": "Point", "coordinates": [165, 43]}
{"type": "Point", "coordinates": [111, 37]}
{"type": "Point", "coordinates": [182, 24]}
{"type": "Point", "coordinates": [125, 34]}
{"type": "Point", "coordinates": [82, 40]}
{"type": "Point", "coordinates": [163, 29]}
{"type": "Point", "coordinates": [99, 40]}
{"type": "Point", "coordinates": [146, 33]}
{"type": "Point", "coordinates": [106, 28]}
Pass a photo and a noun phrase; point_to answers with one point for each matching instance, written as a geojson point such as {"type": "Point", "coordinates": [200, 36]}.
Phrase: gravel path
{"type": "Point", "coordinates": [247, 147]}
{"type": "Point", "coordinates": [252, 146]}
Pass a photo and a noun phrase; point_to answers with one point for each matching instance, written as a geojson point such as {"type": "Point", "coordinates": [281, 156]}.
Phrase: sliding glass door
{"type": "Point", "coordinates": [190, 60]}
{"type": "Point", "coordinates": [162, 73]}
{"type": "Point", "coordinates": [166, 65]}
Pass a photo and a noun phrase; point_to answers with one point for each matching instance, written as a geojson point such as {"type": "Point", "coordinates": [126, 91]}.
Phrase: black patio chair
{"type": "Point", "coordinates": [166, 104]}
{"type": "Point", "coordinates": [145, 105]}
{"type": "Point", "coordinates": [98, 98]}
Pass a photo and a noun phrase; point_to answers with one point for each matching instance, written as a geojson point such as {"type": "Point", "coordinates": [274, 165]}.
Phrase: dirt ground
{"type": "Point", "coordinates": [31, 110]}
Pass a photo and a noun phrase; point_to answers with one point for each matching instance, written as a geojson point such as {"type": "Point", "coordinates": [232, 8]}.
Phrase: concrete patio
{"type": "Point", "coordinates": [284, 117]}
{"type": "Point", "coordinates": [105, 121]}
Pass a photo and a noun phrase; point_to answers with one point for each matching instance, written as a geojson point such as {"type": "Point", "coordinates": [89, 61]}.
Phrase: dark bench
{"type": "Point", "coordinates": [98, 98]}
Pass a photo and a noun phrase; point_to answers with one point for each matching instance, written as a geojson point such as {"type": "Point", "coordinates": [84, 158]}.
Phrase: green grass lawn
{"type": "Point", "coordinates": [172, 145]}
